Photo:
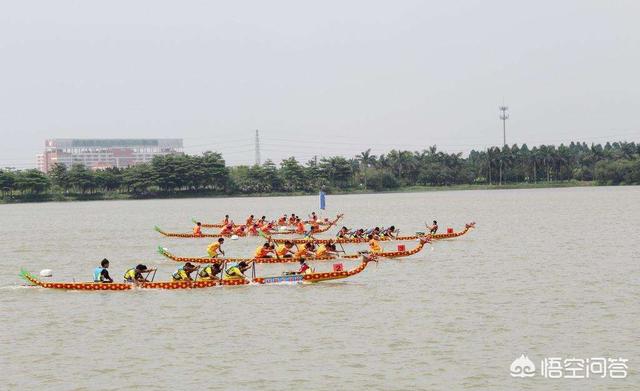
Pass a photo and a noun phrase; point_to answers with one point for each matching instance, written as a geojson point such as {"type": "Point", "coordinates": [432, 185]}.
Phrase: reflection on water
{"type": "Point", "coordinates": [550, 272]}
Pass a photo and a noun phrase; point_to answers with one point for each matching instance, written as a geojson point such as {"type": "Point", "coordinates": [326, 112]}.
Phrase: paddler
{"type": "Point", "coordinates": [343, 232]}
{"type": "Point", "coordinates": [285, 250]}
{"type": "Point", "coordinates": [101, 274]}
{"type": "Point", "coordinates": [225, 221]}
{"type": "Point", "coordinates": [135, 274]}
{"type": "Point", "coordinates": [390, 232]}
{"type": "Point", "coordinates": [227, 230]}
{"type": "Point", "coordinates": [249, 220]}
{"type": "Point", "coordinates": [433, 228]}
{"type": "Point", "coordinates": [308, 250]}
{"type": "Point", "coordinates": [282, 220]}
{"type": "Point", "coordinates": [253, 230]}
{"type": "Point", "coordinates": [184, 273]}
{"type": "Point", "coordinates": [215, 248]}
{"type": "Point", "coordinates": [210, 272]}
{"type": "Point", "coordinates": [374, 246]}
{"type": "Point", "coordinates": [236, 272]}
{"type": "Point", "coordinates": [263, 251]}
{"type": "Point", "coordinates": [197, 230]}
{"type": "Point", "coordinates": [359, 233]}
{"type": "Point", "coordinates": [299, 227]}
{"type": "Point", "coordinates": [304, 268]}
{"type": "Point", "coordinates": [326, 250]}
{"type": "Point", "coordinates": [240, 231]}
{"type": "Point", "coordinates": [313, 218]}
{"type": "Point", "coordinates": [266, 229]}
{"type": "Point", "coordinates": [292, 219]}
{"type": "Point", "coordinates": [315, 226]}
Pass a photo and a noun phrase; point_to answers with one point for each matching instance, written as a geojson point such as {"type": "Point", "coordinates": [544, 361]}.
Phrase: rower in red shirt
{"type": "Point", "coordinates": [227, 230]}
{"type": "Point", "coordinates": [197, 230]}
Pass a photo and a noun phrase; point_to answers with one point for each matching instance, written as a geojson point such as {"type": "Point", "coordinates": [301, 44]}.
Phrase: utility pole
{"type": "Point", "coordinates": [504, 116]}
{"type": "Point", "coordinates": [257, 148]}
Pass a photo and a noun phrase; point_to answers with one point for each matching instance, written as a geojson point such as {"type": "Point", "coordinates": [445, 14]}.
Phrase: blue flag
{"type": "Point", "coordinates": [322, 200]}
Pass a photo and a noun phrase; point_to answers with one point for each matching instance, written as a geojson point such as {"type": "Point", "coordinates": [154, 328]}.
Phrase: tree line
{"type": "Point", "coordinates": [612, 163]}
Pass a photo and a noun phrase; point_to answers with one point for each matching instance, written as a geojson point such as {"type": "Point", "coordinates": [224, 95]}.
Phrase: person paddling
{"type": "Point", "coordinates": [236, 272]}
{"type": "Point", "coordinates": [374, 246]}
{"type": "Point", "coordinates": [434, 228]}
{"type": "Point", "coordinates": [210, 272]}
{"type": "Point", "coordinates": [101, 274]}
{"type": "Point", "coordinates": [135, 274]}
{"type": "Point", "coordinates": [285, 250]}
{"type": "Point", "coordinates": [249, 220]}
{"type": "Point", "coordinates": [184, 273]}
{"type": "Point", "coordinates": [263, 251]}
{"type": "Point", "coordinates": [307, 250]}
{"type": "Point", "coordinates": [390, 232]}
{"type": "Point", "coordinates": [215, 248]}
{"type": "Point", "coordinates": [227, 230]}
{"type": "Point", "coordinates": [197, 230]}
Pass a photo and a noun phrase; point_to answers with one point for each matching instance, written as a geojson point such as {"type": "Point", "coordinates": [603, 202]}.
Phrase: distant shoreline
{"type": "Point", "coordinates": [58, 197]}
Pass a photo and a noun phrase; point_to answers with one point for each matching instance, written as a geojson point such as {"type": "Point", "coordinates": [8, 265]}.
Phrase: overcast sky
{"type": "Point", "coordinates": [323, 77]}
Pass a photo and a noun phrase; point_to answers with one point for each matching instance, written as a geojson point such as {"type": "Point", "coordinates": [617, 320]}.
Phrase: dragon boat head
{"type": "Point", "coordinates": [470, 225]}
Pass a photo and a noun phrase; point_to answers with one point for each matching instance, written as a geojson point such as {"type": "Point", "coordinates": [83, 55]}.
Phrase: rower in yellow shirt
{"type": "Point", "coordinates": [215, 248]}
{"type": "Point", "coordinates": [236, 272]}
{"type": "Point", "coordinates": [284, 250]}
{"type": "Point", "coordinates": [326, 250]}
{"type": "Point", "coordinates": [308, 250]}
{"type": "Point", "coordinates": [263, 251]}
{"type": "Point", "coordinates": [374, 246]}
{"type": "Point", "coordinates": [184, 273]}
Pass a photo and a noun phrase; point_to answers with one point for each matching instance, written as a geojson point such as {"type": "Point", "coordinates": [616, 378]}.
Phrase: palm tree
{"type": "Point", "coordinates": [366, 159]}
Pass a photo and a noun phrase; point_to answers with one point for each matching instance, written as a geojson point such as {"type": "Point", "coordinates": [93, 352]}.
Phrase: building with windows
{"type": "Point", "coordinates": [103, 153]}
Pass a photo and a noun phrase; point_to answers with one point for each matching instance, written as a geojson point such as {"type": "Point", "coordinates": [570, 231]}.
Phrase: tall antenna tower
{"type": "Point", "coordinates": [257, 148]}
{"type": "Point", "coordinates": [504, 116]}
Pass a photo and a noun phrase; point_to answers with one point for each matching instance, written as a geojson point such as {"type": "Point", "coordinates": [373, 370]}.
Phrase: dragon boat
{"type": "Point", "coordinates": [441, 236]}
{"type": "Point", "coordinates": [322, 222]}
{"type": "Point", "coordinates": [218, 235]}
{"type": "Point", "coordinates": [197, 284]}
{"type": "Point", "coordinates": [385, 254]}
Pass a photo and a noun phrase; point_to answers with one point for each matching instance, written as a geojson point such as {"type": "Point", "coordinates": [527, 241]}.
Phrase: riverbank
{"type": "Point", "coordinates": [59, 197]}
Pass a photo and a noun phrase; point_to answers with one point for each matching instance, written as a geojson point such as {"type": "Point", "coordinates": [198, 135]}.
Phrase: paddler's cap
{"type": "Point", "coordinates": [302, 260]}
{"type": "Point", "coordinates": [189, 265]}
{"type": "Point", "coordinates": [243, 263]}
{"type": "Point", "coordinates": [141, 267]}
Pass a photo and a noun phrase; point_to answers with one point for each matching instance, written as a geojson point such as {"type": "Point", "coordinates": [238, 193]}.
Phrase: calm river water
{"type": "Point", "coordinates": [547, 273]}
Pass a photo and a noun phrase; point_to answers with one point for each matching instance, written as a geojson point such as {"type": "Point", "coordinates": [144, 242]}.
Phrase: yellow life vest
{"type": "Point", "coordinates": [180, 275]}
{"type": "Point", "coordinates": [207, 273]}
{"type": "Point", "coordinates": [232, 272]}
{"type": "Point", "coordinates": [130, 275]}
